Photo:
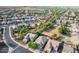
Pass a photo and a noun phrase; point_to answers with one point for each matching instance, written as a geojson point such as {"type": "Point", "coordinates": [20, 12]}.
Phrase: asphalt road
{"type": "Point", "coordinates": [11, 44]}
{"type": "Point", "coordinates": [3, 48]}
{"type": "Point", "coordinates": [8, 38]}
{"type": "Point", "coordinates": [21, 50]}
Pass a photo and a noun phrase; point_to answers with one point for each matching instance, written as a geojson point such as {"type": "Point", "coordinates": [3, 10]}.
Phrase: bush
{"type": "Point", "coordinates": [21, 30]}
{"type": "Point", "coordinates": [32, 45]}
{"type": "Point", "coordinates": [64, 30]}
{"type": "Point", "coordinates": [39, 33]}
{"type": "Point", "coordinates": [56, 36]}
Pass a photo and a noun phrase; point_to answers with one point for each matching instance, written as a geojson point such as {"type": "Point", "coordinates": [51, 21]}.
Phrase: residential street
{"type": "Point", "coordinates": [8, 41]}
{"type": "Point", "coordinates": [13, 47]}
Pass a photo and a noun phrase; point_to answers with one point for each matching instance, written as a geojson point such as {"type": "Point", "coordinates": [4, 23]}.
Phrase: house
{"type": "Point", "coordinates": [30, 36]}
{"type": "Point", "coordinates": [34, 11]}
{"type": "Point", "coordinates": [63, 21]}
{"type": "Point", "coordinates": [51, 46]}
{"type": "Point", "coordinates": [14, 26]}
{"type": "Point", "coordinates": [67, 49]}
{"type": "Point", "coordinates": [41, 41]}
{"type": "Point", "coordinates": [32, 25]}
{"type": "Point", "coordinates": [58, 21]}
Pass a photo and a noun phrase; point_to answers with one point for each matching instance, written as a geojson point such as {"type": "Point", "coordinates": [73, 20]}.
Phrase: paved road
{"type": "Point", "coordinates": [11, 44]}
{"type": "Point", "coordinates": [8, 41]}
{"type": "Point", "coordinates": [3, 48]}
{"type": "Point", "coordinates": [8, 38]}
{"type": "Point", "coordinates": [20, 49]}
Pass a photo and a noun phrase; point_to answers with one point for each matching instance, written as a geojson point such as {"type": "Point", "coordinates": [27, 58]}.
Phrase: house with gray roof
{"type": "Point", "coordinates": [30, 36]}
{"type": "Point", "coordinates": [41, 41]}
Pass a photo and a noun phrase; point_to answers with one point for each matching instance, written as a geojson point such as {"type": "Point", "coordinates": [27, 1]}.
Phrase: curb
{"type": "Point", "coordinates": [5, 42]}
{"type": "Point", "coordinates": [18, 42]}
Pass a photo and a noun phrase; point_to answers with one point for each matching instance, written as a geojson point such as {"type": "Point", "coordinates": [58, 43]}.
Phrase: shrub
{"type": "Point", "coordinates": [32, 45]}
{"type": "Point", "coordinates": [39, 33]}
{"type": "Point", "coordinates": [64, 30]}
{"type": "Point", "coordinates": [21, 30]}
{"type": "Point", "coordinates": [56, 36]}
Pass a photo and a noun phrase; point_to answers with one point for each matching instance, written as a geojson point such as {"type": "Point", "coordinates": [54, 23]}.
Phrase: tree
{"type": "Point", "coordinates": [47, 24]}
{"type": "Point", "coordinates": [21, 30]}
